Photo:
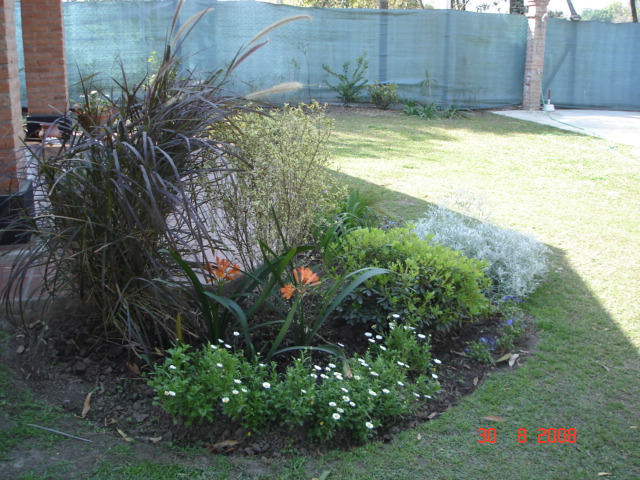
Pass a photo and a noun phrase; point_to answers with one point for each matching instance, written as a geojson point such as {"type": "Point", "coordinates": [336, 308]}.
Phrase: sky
{"type": "Point", "coordinates": [580, 5]}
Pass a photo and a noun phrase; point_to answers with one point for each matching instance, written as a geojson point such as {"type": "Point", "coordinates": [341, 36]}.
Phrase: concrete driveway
{"type": "Point", "coordinates": [614, 126]}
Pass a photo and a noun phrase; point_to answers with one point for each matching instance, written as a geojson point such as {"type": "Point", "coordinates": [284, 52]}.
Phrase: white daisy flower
{"type": "Point", "coordinates": [385, 390]}
{"type": "Point", "coordinates": [435, 360]}
{"type": "Point", "coordinates": [172, 367]}
{"type": "Point", "coordinates": [332, 404]}
{"type": "Point", "coordinates": [225, 399]}
{"type": "Point", "coordinates": [369, 425]}
{"type": "Point", "coordinates": [170, 393]}
{"type": "Point", "coordinates": [372, 393]}
{"type": "Point", "coordinates": [336, 416]}
{"type": "Point", "coordinates": [266, 385]}
{"type": "Point", "coordinates": [235, 392]}
{"type": "Point", "coordinates": [368, 334]}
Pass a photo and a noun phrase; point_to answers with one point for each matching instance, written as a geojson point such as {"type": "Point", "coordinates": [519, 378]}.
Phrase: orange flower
{"type": "Point", "coordinates": [224, 270]}
{"type": "Point", "coordinates": [287, 291]}
{"type": "Point", "coordinates": [304, 276]}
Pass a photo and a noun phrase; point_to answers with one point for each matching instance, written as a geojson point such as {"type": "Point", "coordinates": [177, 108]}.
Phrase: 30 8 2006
{"type": "Point", "coordinates": [544, 435]}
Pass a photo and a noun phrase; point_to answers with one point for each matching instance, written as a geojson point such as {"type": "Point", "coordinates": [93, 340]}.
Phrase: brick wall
{"type": "Point", "coordinates": [10, 108]}
{"type": "Point", "coordinates": [45, 60]}
{"type": "Point", "coordinates": [534, 62]}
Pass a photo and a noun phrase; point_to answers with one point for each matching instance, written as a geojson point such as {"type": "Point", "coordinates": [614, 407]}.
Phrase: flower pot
{"type": "Point", "coordinates": [15, 212]}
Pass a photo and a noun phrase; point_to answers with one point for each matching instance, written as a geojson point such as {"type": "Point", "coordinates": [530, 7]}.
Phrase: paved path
{"type": "Point", "coordinates": [614, 126]}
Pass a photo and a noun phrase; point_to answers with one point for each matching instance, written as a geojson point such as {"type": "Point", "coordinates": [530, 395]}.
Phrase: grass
{"type": "Point", "coordinates": [581, 196]}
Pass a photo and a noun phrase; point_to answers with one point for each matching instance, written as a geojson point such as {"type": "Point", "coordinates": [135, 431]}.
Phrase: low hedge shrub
{"type": "Point", "coordinates": [434, 285]}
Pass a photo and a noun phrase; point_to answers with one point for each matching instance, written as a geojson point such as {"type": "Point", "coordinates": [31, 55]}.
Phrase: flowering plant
{"type": "Point", "coordinates": [304, 279]}
{"type": "Point", "coordinates": [198, 385]}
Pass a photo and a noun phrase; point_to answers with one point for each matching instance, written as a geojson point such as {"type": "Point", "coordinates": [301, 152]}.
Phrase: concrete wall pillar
{"type": "Point", "coordinates": [534, 62]}
{"type": "Point", "coordinates": [10, 106]}
{"type": "Point", "coordinates": [45, 57]}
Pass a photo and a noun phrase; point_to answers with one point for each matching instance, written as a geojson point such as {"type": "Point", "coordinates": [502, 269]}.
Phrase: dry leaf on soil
{"type": "Point", "coordinates": [124, 436]}
{"type": "Point", "coordinates": [494, 418]}
{"type": "Point", "coordinates": [87, 404]}
{"type": "Point", "coordinates": [513, 359]}
{"type": "Point", "coordinates": [504, 358]}
{"type": "Point", "coordinates": [225, 446]}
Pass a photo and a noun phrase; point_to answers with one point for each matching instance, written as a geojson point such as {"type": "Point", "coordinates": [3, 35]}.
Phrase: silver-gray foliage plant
{"type": "Point", "coordinates": [517, 262]}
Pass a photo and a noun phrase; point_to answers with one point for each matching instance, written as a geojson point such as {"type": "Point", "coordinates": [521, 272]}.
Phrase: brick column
{"type": "Point", "coordinates": [10, 107]}
{"type": "Point", "coordinates": [534, 62]}
{"type": "Point", "coordinates": [45, 58]}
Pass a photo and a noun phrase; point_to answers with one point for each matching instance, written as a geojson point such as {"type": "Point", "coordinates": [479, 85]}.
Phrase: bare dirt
{"type": "Point", "coordinates": [98, 389]}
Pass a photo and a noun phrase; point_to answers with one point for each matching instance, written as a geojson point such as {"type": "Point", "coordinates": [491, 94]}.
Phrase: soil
{"type": "Point", "coordinates": [100, 385]}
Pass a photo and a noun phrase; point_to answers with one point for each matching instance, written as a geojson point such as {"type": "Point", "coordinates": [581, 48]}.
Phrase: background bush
{"type": "Point", "coordinates": [516, 263]}
{"type": "Point", "coordinates": [435, 286]}
{"type": "Point", "coordinates": [284, 156]}
{"type": "Point", "coordinates": [383, 95]}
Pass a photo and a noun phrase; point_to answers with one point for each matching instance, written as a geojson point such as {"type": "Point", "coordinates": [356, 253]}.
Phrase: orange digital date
{"type": "Point", "coordinates": [545, 435]}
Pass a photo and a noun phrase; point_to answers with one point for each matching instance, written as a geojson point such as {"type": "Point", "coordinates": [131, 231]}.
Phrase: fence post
{"type": "Point", "coordinates": [10, 107]}
{"type": "Point", "coordinates": [534, 61]}
{"type": "Point", "coordinates": [45, 57]}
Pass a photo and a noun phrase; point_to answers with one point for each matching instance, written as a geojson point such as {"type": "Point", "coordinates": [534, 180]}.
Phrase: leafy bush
{"type": "Point", "coordinates": [349, 88]}
{"type": "Point", "coordinates": [351, 213]}
{"type": "Point", "coordinates": [283, 180]}
{"type": "Point", "coordinates": [432, 111]}
{"type": "Point", "coordinates": [434, 285]}
{"type": "Point", "coordinates": [326, 400]}
{"type": "Point", "coordinates": [383, 95]}
{"type": "Point", "coordinates": [516, 263]}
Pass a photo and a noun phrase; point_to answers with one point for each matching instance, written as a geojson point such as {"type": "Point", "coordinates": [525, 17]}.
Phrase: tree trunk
{"type": "Point", "coordinates": [634, 12]}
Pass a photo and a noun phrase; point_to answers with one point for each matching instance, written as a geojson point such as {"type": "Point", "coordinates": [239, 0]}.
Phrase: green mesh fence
{"type": "Point", "coordinates": [592, 65]}
{"type": "Point", "coordinates": [464, 59]}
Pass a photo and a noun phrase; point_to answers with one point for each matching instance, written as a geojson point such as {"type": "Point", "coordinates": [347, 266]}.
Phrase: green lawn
{"type": "Point", "coordinates": [579, 195]}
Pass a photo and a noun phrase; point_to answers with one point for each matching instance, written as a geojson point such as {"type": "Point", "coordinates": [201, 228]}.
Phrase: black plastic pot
{"type": "Point", "coordinates": [16, 211]}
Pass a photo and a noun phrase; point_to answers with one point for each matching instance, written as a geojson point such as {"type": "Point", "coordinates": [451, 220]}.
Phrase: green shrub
{"type": "Point", "coordinates": [349, 87]}
{"type": "Point", "coordinates": [383, 95]}
{"type": "Point", "coordinates": [353, 212]}
{"type": "Point", "coordinates": [283, 157]}
{"type": "Point", "coordinates": [516, 263]}
{"type": "Point", "coordinates": [434, 285]}
{"type": "Point", "coordinates": [351, 399]}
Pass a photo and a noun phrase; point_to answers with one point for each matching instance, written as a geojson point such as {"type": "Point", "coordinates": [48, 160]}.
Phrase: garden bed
{"type": "Point", "coordinates": [61, 363]}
